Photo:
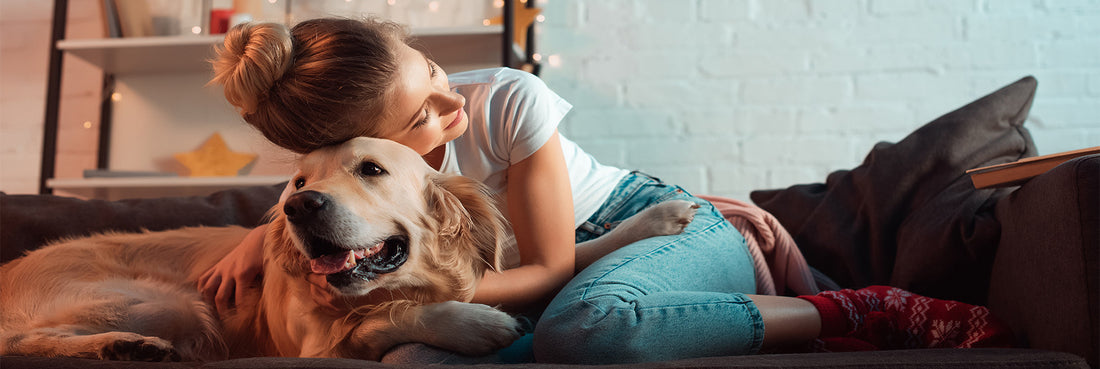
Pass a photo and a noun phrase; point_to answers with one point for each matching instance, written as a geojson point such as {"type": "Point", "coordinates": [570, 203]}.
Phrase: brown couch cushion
{"type": "Point", "coordinates": [908, 216]}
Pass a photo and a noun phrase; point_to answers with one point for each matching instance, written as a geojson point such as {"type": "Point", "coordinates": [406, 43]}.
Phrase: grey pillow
{"type": "Point", "coordinates": [30, 221]}
{"type": "Point", "coordinates": [908, 216]}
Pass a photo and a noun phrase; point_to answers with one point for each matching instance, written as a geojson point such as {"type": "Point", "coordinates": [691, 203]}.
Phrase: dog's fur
{"type": "Point", "coordinates": [421, 239]}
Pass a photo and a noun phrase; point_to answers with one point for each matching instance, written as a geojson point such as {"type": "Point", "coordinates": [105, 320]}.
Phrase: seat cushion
{"type": "Point", "coordinates": [939, 358]}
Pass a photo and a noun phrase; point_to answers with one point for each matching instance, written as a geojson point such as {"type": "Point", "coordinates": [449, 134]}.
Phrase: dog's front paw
{"type": "Point", "coordinates": [135, 347]}
{"type": "Point", "coordinates": [666, 218]}
{"type": "Point", "coordinates": [469, 329]}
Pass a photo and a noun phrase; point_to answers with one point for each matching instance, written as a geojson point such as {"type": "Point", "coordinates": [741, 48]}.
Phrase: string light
{"type": "Point", "coordinates": [196, 30]}
{"type": "Point", "coordinates": [116, 97]}
{"type": "Point", "coordinates": [87, 124]}
{"type": "Point", "coordinates": [433, 6]}
{"type": "Point", "coordinates": [554, 60]}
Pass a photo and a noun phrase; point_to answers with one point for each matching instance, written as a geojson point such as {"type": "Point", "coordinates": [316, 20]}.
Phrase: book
{"type": "Point", "coordinates": [134, 18]}
{"type": "Point", "coordinates": [1020, 171]}
{"type": "Point", "coordinates": [112, 28]}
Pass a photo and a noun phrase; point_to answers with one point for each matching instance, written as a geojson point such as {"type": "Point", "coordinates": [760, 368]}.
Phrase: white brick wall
{"type": "Point", "coordinates": [727, 96]}
{"type": "Point", "coordinates": [721, 96]}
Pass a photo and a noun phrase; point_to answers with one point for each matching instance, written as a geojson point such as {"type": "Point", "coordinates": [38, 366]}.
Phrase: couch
{"type": "Point", "coordinates": [907, 216]}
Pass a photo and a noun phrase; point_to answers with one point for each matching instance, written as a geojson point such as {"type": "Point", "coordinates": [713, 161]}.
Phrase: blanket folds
{"type": "Point", "coordinates": [779, 264]}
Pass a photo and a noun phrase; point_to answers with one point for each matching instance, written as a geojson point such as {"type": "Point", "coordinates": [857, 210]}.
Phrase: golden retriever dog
{"type": "Point", "coordinates": [370, 215]}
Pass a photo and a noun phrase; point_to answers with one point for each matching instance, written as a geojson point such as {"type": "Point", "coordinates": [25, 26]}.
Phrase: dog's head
{"type": "Point", "coordinates": [371, 214]}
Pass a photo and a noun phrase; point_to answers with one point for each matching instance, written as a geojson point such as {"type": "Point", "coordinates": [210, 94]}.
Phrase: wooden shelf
{"type": "Point", "coordinates": [181, 54]}
{"type": "Point", "coordinates": [136, 55]}
{"type": "Point", "coordinates": [145, 187]}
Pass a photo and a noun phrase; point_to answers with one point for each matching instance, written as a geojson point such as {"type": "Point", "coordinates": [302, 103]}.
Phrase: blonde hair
{"type": "Point", "coordinates": [311, 86]}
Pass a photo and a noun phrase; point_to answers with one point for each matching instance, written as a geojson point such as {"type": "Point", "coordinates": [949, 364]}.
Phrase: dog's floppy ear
{"type": "Point", "coordinates": [468, 217]}
{"type": "Point", "coordinates": [280, 249]}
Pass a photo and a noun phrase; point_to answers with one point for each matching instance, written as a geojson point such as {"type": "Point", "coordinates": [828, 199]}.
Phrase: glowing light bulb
{"type": "Point", "coordinates": [196, 30]}
{"type": "Point", "coordinates": [554, 60]}
{"type": "Point", "coordinates": [87, 124]}
{"type": "Point", "coordinates": [433, 6]}
{"type": "Point", "coordinates": [116, 97]}
{"type": "Point", "coordinates": [540, 18]}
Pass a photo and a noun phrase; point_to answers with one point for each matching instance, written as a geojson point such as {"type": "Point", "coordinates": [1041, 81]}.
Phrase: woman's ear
{"type": "Point", "coordinates": [467, 215]}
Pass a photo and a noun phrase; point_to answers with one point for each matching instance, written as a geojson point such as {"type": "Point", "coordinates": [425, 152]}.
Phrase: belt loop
{"type": "Point", "coordinates": [641, 173]}
{"type": "Point", "coordinates": [593, 228]}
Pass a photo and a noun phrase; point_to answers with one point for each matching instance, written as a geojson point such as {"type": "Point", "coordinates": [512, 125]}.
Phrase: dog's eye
{"type": "Point", "coordinates": [299, 183]}
{"type": "Point", "coordinates": [370, 169]}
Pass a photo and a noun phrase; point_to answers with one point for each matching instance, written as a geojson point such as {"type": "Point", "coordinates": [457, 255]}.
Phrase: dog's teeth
{"type": "Point", "coordinates": [375, 249]}
{"type": "Point", "coordinates": [349, 261]}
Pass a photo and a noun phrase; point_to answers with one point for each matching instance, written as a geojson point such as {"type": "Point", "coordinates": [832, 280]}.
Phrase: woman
{"type": "Point", "coordinates": [329, 80]}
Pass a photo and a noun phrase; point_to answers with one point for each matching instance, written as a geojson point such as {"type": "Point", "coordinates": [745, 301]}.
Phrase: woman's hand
{"type": "Point", "coordinates": [226, 282]}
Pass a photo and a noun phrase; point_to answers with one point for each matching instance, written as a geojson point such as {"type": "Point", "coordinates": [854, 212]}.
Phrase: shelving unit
{"type": "Point", "coordinates": [456, 48]}
{"type": "Point", "coordinates": [174, 54]}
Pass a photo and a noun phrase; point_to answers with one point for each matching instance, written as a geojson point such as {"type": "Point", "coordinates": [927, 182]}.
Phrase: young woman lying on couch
{"type": "Point", "coordinates": [328, 80]}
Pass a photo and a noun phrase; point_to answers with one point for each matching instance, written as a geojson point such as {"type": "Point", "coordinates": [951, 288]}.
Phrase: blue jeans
{"type": "Point", "coordinates": [662, 298]}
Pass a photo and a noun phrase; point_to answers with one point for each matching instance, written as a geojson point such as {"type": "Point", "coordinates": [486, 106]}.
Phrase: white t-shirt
{"type": "Point", "coordinates": [512, 114]}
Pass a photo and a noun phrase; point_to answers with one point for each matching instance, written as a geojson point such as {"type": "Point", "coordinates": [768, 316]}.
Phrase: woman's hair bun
{"type": "Point", "coordinates": [253, 57]}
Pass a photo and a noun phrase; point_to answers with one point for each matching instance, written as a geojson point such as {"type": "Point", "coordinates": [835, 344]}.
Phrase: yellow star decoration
{"type": "Point", "coordinates": [523, 18]}
{"type": "Point", "coordinates": [214, 159]}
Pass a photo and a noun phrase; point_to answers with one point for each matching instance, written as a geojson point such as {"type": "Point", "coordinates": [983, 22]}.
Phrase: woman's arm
{"type": "Point", "coordinates": [540, 208]}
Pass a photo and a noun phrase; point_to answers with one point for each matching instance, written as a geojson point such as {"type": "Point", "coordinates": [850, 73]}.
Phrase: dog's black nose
{"type": "Point", "coordinates": [304, 206]}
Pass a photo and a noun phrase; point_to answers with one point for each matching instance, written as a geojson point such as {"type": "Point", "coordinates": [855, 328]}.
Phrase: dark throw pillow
{"type": "Point", "coordinates": [908, 216]}
{"type": "Point", "coordinates": [30, 221]}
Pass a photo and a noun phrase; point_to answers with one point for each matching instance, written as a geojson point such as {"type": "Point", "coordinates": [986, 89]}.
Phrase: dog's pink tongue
{"type": "Point", "coordinates": [330, 264]}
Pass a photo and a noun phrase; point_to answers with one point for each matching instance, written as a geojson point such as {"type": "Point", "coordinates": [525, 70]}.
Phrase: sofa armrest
{"type": "Point", "coordinates": [1046, 275]}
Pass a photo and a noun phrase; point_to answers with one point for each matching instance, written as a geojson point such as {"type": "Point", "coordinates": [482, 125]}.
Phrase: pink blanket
{"type": "Point", "coordinates": [779, 264]}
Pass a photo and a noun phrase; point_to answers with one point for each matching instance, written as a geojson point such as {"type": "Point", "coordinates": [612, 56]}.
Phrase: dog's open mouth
{"type": "Point", "coordinates": [365, 263]}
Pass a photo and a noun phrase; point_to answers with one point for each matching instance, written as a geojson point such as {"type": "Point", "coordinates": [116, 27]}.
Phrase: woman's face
{"type": "Point", "coordinates": [424, 112]}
